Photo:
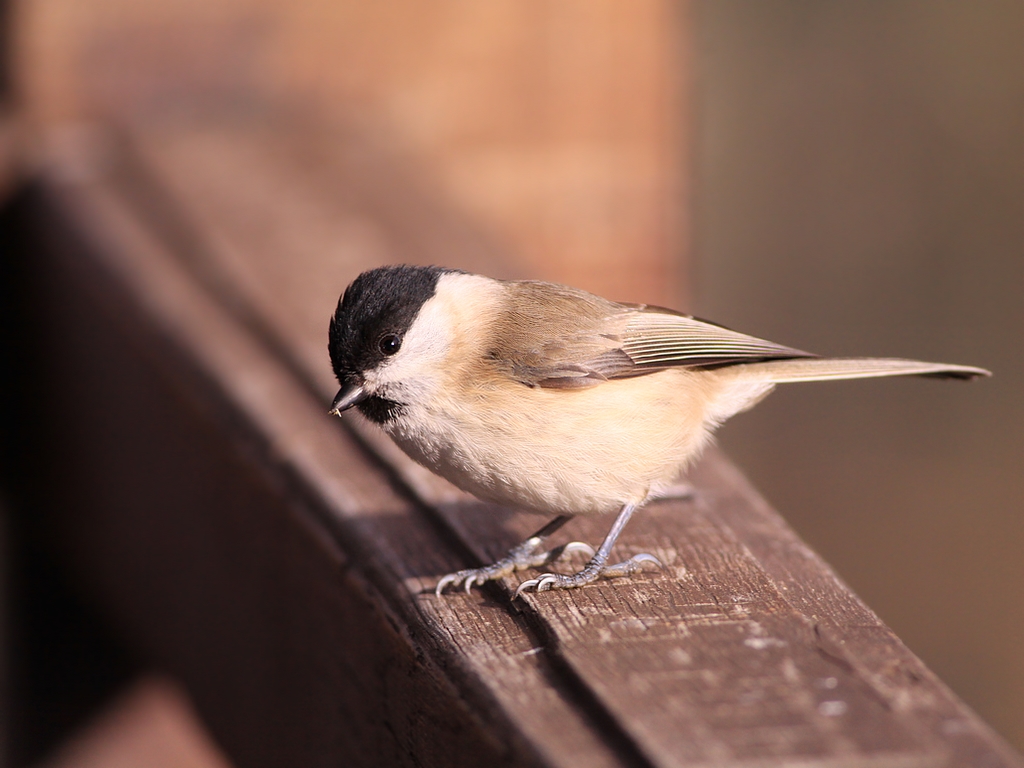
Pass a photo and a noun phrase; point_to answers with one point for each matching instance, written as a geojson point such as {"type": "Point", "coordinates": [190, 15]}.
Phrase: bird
{"type": "Point", "coordinates": [553, 400]}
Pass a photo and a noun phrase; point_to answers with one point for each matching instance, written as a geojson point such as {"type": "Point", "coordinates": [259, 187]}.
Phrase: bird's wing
{"type": "Point", "coordinates": [656, 338]}
{"type": "Point", "coordinates": [557, 337]}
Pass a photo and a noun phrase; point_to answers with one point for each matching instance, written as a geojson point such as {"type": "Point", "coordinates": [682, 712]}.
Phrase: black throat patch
{"type": "Point", "coordinates": [380, 410]}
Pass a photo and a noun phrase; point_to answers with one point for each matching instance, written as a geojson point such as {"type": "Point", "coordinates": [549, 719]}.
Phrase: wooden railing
{"type": "Point", "coordinates": [280, 563]}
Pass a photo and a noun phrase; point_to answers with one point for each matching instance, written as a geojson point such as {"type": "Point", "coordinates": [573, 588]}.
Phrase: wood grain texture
{"type": "Point", "coordinates": [315, 555]}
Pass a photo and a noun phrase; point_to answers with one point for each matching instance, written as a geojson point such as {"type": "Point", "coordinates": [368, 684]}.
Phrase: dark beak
{"type": "Point", "coordinates": [351, 393]}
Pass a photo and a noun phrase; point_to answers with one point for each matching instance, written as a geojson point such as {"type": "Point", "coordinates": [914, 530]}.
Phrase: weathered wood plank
{"type": "Point", "coordinates": [280, 579]}
{"type": "Point", "coordinates": [845, 630]}
{"type": "Point", "coordinates": [746, 650]}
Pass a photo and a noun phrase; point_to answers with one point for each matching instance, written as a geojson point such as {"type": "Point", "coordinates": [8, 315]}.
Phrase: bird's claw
{"type": "Point", "coordinates": [541, 583]}
{"type": "Point", "coordinates": [467, 578]}
{"type": "Point", "coordinates": [520, 558]}
{"type": "Point", "coordinates": [452, 578]}
{"type": "Point", "coordinates": [627, 567]}
{"type": "Point", "coordinates": [572, 548]}
{"type": "Point", "coordinates": [588, 575]}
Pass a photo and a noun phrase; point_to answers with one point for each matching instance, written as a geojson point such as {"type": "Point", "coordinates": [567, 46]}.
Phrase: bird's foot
{"type": "Point", "coordinates": [519, 558]}
{"type": "Point", "coordinates": [592, 572]}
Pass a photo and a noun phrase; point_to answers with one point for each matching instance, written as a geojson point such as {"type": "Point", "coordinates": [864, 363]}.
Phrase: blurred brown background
{"type": "Point", "coordinates": [843, 177]}
{"type": "Point", "coordinates": [559, 126]}
{"type": "Point", "coordinates": [860, 190]}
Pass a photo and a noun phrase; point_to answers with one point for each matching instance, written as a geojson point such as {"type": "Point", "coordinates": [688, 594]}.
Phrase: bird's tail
{"type": "Point", "coordinates": [830, 368]}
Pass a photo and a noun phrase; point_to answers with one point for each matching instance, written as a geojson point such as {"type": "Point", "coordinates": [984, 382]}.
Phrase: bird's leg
{"type": "Point", "coordinates": [597, 567]}
{"type": "Point", "coordinates": [520, 557]}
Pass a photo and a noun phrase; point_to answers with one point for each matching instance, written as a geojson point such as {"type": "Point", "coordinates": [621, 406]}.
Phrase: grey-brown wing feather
{"type": "Point", "coordinates": [557, 337]}
{"type": "Point", "coordinates": [655, 339]}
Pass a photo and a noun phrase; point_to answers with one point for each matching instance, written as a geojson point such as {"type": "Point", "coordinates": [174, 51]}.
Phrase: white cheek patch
{"type": "Point", "coordinates": [458, 306]}
{"type": "Point", "coordinates": [424, 345]}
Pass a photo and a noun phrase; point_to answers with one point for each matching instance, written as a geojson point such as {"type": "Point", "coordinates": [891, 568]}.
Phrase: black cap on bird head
{"type": "Point", "coordinates": [372, 318]}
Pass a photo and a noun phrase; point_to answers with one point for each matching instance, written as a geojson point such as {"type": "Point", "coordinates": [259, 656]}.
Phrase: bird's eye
{"type": "Point", "coordinates": [389, 344]}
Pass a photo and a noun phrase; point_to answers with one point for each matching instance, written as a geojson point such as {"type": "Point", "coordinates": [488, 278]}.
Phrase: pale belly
{"type": "Point", "coordinates": [585, 451]}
